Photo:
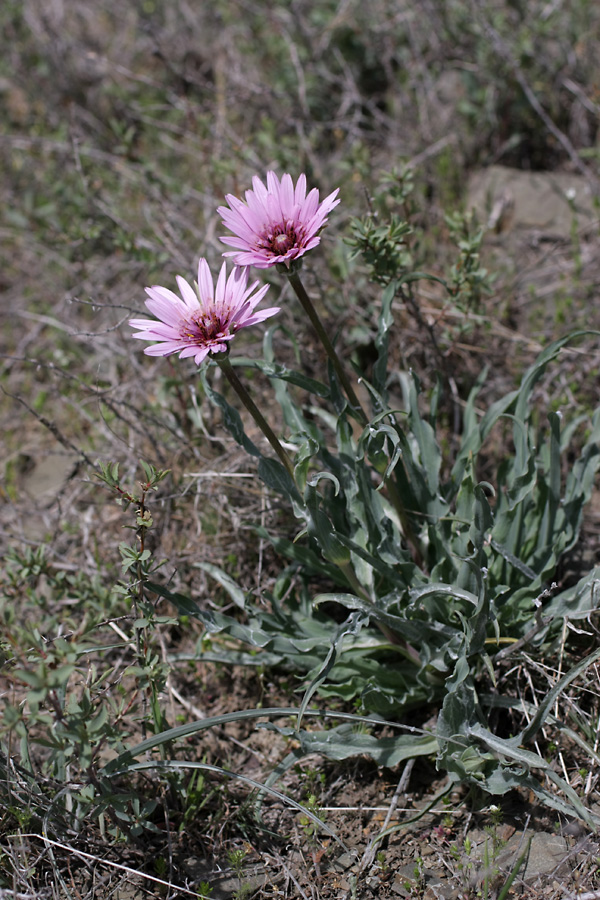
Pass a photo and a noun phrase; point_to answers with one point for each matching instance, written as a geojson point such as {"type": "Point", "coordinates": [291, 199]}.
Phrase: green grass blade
{"type": "Point", "coordinates": [515, 871]}
{"type": "Point", "coordinates": [182, 731]}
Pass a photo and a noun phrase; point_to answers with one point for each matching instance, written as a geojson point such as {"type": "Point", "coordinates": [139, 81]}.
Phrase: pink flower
{"type": "Point", "coordinates": [277, 223]}
{"type": "Point", "coordinates": [203, 320]}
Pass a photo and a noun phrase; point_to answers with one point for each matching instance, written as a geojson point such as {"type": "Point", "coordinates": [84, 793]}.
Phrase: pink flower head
{"type": "Point", "coordinates": [203, 320]}
{"type": "Point", "coordinates": [277, 223]}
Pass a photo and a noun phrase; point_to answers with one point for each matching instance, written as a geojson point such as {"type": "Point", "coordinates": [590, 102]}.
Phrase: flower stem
{"type": "Point", "coordinates": [225, 364]}
{"type": "Point", "coordinates": [407, 529]}
{"type": "Point", "coordinates": [391, 635]}
{"type": "Point", "coordinates": [311, 312]}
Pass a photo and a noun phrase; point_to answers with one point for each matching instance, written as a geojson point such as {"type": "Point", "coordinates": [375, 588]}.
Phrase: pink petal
{"type": "Point", "coordinates": [300, 192]}
{"type": "Point", "coordinates": [249, 258]}
{"type": "Point", "coordinates": [188, 294]}
{"type": "Point", "coordinates": [168, 312]}
{"type": "Point", "coordinates": [273, 185]}
{"type": "Point", "coordinates": [220, 294]}
{"type": "Point", "coordinates": [310, 205]}
{"type": "Point", "coordinates": [205, 284]}
{"type": "Point", "coordinates": [261, 315]}
{"type": "Point", "coordinates": [159, 332]}
{"type": "Point", "coordinates": [244, 216]}
{"type": "Point", "coordinates": [160, 350]}
{"type": "Point", "coordinates": [259, 189]}
{"type": "Point", "coordinates": [258, 296]}
{"type": "Point", "coordinates": [286, 197]}
{"type": "Point", "coordinates": [273, 208]}
{"type": "Point", "coordinates": [235, 242]}
{"type": "Point", "coordinates": [193, 350]}
{"type": "Point", "coordinates": [257, 209]}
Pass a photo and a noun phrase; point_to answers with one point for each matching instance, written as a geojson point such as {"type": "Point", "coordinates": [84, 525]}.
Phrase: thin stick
{"type": "Point", "coordinates": [369, 854]}
{"type": "Point", "coordinates": [225, 364]}
{"type": "Point", "coordinates": [312, 314]}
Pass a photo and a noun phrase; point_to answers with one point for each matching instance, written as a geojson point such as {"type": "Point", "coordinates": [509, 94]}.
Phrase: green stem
{"type": "Point", "coordinates": [411, 538]}
{"type": "Point", "coordinates": [225, 364]}
{"type": "Point", "coordinates": [311, 312]}
{"type": "Point", "coordinates": [392, 637]}
{"type": "Point", "coordinates": [355, 584]}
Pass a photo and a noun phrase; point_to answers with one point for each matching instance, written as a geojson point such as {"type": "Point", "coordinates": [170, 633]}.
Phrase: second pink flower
{"type": "Point", "coordinates": [277, 223]}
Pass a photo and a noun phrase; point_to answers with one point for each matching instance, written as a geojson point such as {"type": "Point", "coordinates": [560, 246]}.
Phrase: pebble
{"type": "Point", "coordinates": [546, 853]}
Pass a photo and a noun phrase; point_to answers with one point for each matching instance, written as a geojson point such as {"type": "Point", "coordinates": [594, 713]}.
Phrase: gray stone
{"type": "Point", "coordinates": [546, 853]}
{"type": "Point", "coordinates": [223, 885]}
{"type": "Point", "coordinates": [47, 475]}
{"type": "Point", "coordinates": [508, 199]}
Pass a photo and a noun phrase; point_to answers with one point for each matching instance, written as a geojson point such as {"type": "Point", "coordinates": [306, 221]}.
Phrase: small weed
{"type": "Point", "coordinates": [245, 890]}
{"type": "Point", "coordinates": [161, 866]}
{"type": "Point", "coordinates": [380, 860]}
{"type": "Point", "coordinates": [417, 887]}
{"type": "Point", "coordinates": [496, 815]}
{"type": "Point", "coordinates": [309, 827]}
{"type": "Point", "coordinates": [236, 858]}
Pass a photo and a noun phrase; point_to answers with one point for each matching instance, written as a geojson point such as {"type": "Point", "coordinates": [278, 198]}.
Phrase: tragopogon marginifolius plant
{"type": "Point", "coordinates": [437, 572]}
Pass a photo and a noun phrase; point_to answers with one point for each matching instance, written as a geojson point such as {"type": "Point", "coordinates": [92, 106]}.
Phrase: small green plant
{"type": "Point", "coordinates": [460, 856]}
{"type": "Point", "coordinates": [161, 866]}
{"type": "Point", "coordinates": [496, 815]}
{"type": "Point", "coordinates": [469, 281]}
{"type": "Point", "coordinates": [381, 862]}
{"type": "Point", "coordinates": [195, 797]}
{"type": "Point", "coordinates": [313, 779]}
{"type": "Point", "coordinates": [308, 824]}
{"type": "Point", "coordinates": [390, 247]}
{"type": "Point", "coordinates": [434, 572]}
{"type": "Point", "coordinates": [571, 196]}
{"type": "Point", "coordinates": [384, 248]}
{"type": "Point", "coordinates": [236, 859]}
{"type": "Point", "coordinates": [204, 891]}
{"type": "Point", "coordinates": [245, 890]}
{"type": "Point", "coordinates": [137, 562]}
{"type": "Point", "coordinates": [417, 887]}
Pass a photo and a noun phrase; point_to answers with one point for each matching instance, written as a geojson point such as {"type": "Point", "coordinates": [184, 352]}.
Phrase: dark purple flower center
{"type": "Point", "coordinates": [283, 242]}
{"type": "Point", "coordinates": [280, 240]}
{"type": "Point", "coordinates": [204, 328]}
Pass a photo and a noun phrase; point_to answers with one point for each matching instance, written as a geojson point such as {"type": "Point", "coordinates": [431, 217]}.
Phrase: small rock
{"type": "Point", "coordinates": [437, 892]}
{"type": "Point", "coordinates": [542, 201]}
{"type": "Point", "coordinates": [341, 863]}
{"type": "Point", "coordinates": [546, 853]}
{"type": "Point", "coordinates": [48, 474]}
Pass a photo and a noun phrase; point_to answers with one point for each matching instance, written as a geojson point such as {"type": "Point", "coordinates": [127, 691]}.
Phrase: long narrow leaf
{"type": "Point", "coordinates": [226, 582]}
{"type": "Point", "coordinates": [386, 320]}
{"type": "Point", "coordinates": [182, 731]}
